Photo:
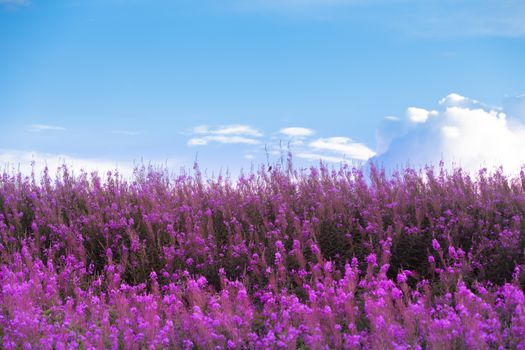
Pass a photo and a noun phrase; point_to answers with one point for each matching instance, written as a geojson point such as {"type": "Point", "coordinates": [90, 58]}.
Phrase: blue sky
{"type": "Point", "coordinates": [112, 81]}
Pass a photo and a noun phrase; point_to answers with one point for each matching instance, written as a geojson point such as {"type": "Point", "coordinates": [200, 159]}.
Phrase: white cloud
{"type": "Point", "coordinates": [344, 146]}
{"type": "Point", "coordinates": [453, 99]}
{"type": "Point", "coordinates": [235, 129]}
{"type": "Point", "coordinates": [392, 117]}
{"type": "Point", "coordinates": [229, 134]}
{"type": "Point", "coordinates": [196, 141]}
{"type": "Point", "coordinates": [450, 132]}
{"type": "Point", "coordinates": [44, 127]}
{"type": "Point", "coordinates": [297, 132]}
{"type": "Point", "coordinates": [419, 115]}
{"type": "Point", "coordinates": [464, 132]}
{"type": "Point", "coordinates": [205, 140]}
{"type": "Point", "coordinates": [332, 149]}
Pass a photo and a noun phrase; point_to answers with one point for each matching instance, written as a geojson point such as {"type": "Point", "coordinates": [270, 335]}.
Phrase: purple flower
{"type": "Point", "coordinates": [435, 245]}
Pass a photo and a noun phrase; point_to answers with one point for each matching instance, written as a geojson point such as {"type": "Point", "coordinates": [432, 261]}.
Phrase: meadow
{"type": "Point", "coordinates": [318, 258]}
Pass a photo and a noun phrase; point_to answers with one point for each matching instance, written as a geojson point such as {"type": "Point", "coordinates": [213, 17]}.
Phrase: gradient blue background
{"type": "Point", "coordinates": [130, 79]}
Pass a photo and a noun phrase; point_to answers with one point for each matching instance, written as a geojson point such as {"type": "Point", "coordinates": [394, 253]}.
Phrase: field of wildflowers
{"type": "Point", "coordinates": [283, 259]}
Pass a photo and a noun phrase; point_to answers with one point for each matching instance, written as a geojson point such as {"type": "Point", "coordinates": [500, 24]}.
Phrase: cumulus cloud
{"type": "Point", "coordinates": [463, 132]}
{"type": "Point", "coordinates": [44, 127]}
{"type": "Point", "coordinates": [297, 132]}
{"type": "Point", "coordinates": [419, 115]}
{"type": "Point", "coordinates": [454, 99]}
{"type": "Point", "coordinates": [343, 146]}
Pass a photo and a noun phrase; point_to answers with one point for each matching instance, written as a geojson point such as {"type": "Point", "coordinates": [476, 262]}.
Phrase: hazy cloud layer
{"type": "Point", "coordinates": [28, 160]}
{"type": "Point", "coordinates": [434, 18]}
{"type": "Point", "coordinates": [490, 18]}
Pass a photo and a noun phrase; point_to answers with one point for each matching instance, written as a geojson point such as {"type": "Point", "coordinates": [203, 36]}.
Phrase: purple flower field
{"type": "Point", "coordinates": [280, 259]}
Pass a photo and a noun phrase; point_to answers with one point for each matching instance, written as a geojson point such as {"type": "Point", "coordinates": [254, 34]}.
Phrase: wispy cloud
{"type": "Point", "coordinates": [392, 117]}
{"type": "Point", "coordinates": [236, 129]}
{"type": "Point", "coordinates": [45, 127]}
{"type": "Point", "coordinates": [344, 146]}
{"type": "Point", "coordinates": [228, 134]}
{"type": "Point", "coordinates": [205, 140]}
{"type": "Point", "coordinates": [331, 149]}
{"type": "Point", "coordinates": [482, 18]}
{"type": "Point", "coordinates": [297, 132]}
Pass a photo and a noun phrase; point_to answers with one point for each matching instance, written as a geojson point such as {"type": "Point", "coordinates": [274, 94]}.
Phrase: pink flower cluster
{"type": "Point", "coordinates": [287, 259]}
